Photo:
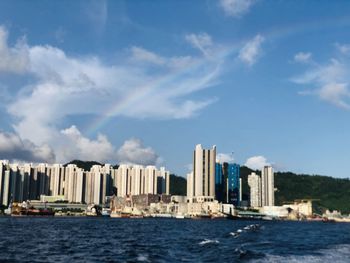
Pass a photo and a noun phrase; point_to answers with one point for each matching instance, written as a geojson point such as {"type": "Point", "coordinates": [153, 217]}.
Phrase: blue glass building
{"type": "Point", "coordinates": [219, 182]}
{"type": "Point", "coordinates": [227, 183]}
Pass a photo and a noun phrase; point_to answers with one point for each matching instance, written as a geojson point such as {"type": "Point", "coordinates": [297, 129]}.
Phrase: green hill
{"type": "Point", "coordinates": [178, 185]}
{"type": "Point", "coordinates": [86, 165]}
{"type": "Point", "coordinates": [331, 193]}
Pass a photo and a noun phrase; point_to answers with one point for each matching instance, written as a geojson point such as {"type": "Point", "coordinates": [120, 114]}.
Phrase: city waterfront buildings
{"type": "Point", "coordinates": [262, 190]}
{"type": "Point", "coordinates": [28, 181]}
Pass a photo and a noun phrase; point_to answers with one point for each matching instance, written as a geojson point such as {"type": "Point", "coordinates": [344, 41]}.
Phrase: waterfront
{"type": "Point", "coordinates": [170, 240]}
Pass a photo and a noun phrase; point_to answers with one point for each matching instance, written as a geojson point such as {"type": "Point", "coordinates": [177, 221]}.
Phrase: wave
{"type": "Point", "coordinates": [208, 241]}
{"type": "Point", "coordinates": [234, 234]}
{"type": "Point", "coordinates": [142, 258]}
{"type": "Point", "coordinates": [339, 254]}
{"type": "Point", "coordinates": [252, 227]}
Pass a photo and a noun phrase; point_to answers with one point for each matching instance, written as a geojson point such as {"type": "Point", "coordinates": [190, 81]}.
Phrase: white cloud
{"type": "Point", "coordinates": [71, 86]}
{"type": "Point", "coordinates": [73, 145]}
{"type": "Point", "coordinates": [141, 54]}
{"type": "Point", "coordinates": [302, 57]}
{"type": "Point", "coordinates": [236, 8]}
{"type": "Point", "coordinates": [224, 158]}
{"type": "Point", "coordinates": [343, 48]}
{"type": "Point", "coordinates": [77, 146]}
{"type": "Point", "coordinates": [201, 41]}
{"type": "Point", "coordinates": [251, 50]}
{"type": "Point", "coordinates": [335, 93]}
{"type": "Point", "coordinates": [61, 85]}
{"type": "Point", "coordinates": [330, 82]}
{"type": "Point", "coordinates": [256, 162]}
{"type": "Point", "coordinates": [134, 152]}
{"type": "Point", "coordinates": [12, 59]}
{"type": "Point", "coordinates": [14, 148]}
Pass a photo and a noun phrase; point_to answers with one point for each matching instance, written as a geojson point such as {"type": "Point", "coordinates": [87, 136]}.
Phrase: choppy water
{"type": "Point", "coordinates": [170, 240]}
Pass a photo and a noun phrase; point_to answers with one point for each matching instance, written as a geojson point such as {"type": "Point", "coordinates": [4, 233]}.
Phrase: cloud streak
{"type": "Point", "coordinates": [236, 8]}
{"type": "Point", "coordinates": [251, 50]}
{"type": "Point", "coordinates": [12, 59]}
{"type": "Point", "coordinates": [303, 57]}
{"type": "Point", "coordinates": [330, 81]}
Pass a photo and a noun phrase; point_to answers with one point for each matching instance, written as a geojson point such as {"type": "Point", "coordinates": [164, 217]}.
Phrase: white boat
{"type": "Point", "coordinates": [106, 212]}
{"type": "Point", "coordinates": [161, 215]}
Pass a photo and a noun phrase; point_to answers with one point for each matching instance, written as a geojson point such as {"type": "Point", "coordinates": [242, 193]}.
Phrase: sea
{"type": "Point", "coordinates": [29, 239]}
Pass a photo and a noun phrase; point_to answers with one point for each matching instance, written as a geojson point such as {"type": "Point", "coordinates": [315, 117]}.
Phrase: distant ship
{"type": "Point", "coordinates": [93, 210]}
{"type": "Point", "coordinates": [25, 209]}
{"type": "Point", "coordinates": [106, 212]}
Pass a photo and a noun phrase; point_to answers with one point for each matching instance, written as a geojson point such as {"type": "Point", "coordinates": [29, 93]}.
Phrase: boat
{"type": "Point", "coordinates": [201, 216]}
{"type": "Point", "coordinates": [125, 215]}
{"type": "Point", "coordinates": [26, 210]}
{"type": "Point", "coordinates": [106, 212]}
{"type": "Point", "coordinates": [161, 215]}
{"type": "Point", "coordinates": [92, 210]}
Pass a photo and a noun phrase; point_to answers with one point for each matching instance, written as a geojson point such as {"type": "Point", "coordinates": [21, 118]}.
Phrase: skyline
{"type": "Point", "coordinates": [131, 82]}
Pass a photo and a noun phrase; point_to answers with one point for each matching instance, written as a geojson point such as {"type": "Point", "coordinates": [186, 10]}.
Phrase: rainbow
{"type": "Point", "coordinates": [141, 92]}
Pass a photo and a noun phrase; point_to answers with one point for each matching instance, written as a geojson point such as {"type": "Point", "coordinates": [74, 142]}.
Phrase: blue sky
{"type": "Point", "coordinates": [145, 81]}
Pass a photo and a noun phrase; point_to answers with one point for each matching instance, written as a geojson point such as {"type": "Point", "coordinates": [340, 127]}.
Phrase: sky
{"type": "Point", "coordinates": [143, 82]}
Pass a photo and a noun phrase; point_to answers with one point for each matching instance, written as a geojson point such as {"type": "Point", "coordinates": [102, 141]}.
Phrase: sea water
{"type": "Point", "coordinates": [170, 240]}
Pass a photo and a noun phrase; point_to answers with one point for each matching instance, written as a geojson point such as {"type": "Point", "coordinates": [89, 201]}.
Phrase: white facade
{"type": "Point", "coordinates": [203, 177]}
{"type": "Point", "coordinates": [267, 186]}
{"type": "Point", "coordinates": [254, 182]}
{"type": "Point", "coordinates": [22, 182]}
{"type": "Point", "coordinates": [190, 186]}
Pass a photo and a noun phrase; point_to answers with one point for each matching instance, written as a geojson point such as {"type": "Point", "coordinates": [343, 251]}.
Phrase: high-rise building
{"type": "Point", "coordinates": [150, 180]}
{"type": "Point", "coordinates": [137, 179]}
{"type": "Point", "coordinates": [254, 182]}
{"type": "Point", "coordinates": [2, 176]}
{"type": "Point", "coordinates": [22, 182]}
{"type": "Point", "coordinates": [163, 181]}
{"type": "Point", "coordinates": [6, 190]}
{"type": "Point", "coordinates": [204, 171]}
{"type": "Point", "coordinates": [227, 183]}
{"type": "Point", "coordinates": [267, 186]}
{"type": "Point", "coordinates": [89, 189]}
{"type": "Point", "coordinates": [190, 188]}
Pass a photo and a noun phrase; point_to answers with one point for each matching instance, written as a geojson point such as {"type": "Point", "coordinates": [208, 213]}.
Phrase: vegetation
{"type": "Point", "coordinates": [178, 185]}
{"type": "Point", "coordinates": [86, 165]}
{"type": "Point", "coordinates": [328, 192]}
